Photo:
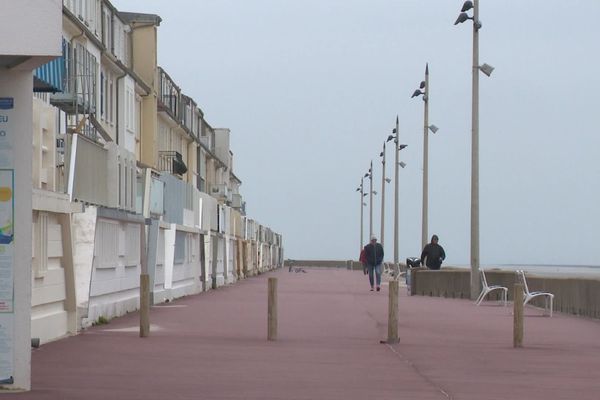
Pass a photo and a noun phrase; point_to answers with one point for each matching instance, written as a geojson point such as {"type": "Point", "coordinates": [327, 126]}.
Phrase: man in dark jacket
{"type": "Point", "coordinates": [434, 253]}
{"type": "Point", "coordinates": [374, 256]}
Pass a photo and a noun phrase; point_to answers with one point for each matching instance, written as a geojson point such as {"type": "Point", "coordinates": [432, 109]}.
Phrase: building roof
{"type": "Point", "coordinates": [132, 17]}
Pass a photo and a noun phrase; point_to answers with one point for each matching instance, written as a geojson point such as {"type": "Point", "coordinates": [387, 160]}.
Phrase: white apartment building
{"type": "Point", "coordinates": [119, 150]}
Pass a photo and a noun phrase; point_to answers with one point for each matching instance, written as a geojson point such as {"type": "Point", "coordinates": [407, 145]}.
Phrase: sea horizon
{"type": "Point", "coordinates": [592, 271]}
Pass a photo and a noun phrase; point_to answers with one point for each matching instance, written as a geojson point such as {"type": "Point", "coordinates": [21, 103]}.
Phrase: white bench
{"type": "Point", "coordinates": [548, 297]}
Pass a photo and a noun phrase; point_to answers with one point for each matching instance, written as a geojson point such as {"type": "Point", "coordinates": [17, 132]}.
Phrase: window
{"type": "Point", "coordinates": [107, 28]}
{"type": "Point", "coordinates": [180, 241]}
{"type": "Point", "coordinates": [110, 104]}
{"type": "Point", "coordinates": [191, 247]}
{"type": "Point", "coordinates": [129, 110]}
{"type": "Point", "coordinates": [160, 253]}
{"type": "Point", "coordinates": [102, 95]}
{"type": "Point", "coordinates": [132, 253]}
{"type": "Point", "coordinates": [120, 202]}
{"type": "Point", "coordinates": [107, 240]}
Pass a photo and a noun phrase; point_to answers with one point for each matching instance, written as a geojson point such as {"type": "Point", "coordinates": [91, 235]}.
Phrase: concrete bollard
{"type": "Point", "coordinates": [393, 313]}
{"type": "Point", "coordinates": [518, 316]}
{"type": "Point", "coordinates": [272, 310]}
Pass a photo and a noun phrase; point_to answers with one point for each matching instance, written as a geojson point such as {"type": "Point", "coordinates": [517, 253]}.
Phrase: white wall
{"type": "Point", "coordinates": [17, 139]}
{"type": "Point", "coordinates": [84, 234]}
{"type": "Point", "coordinates": [49, 319]}
{"type": "Point", "coordinates": [34, 28]}
{"type": "Point", "coordinates": [114, 288]}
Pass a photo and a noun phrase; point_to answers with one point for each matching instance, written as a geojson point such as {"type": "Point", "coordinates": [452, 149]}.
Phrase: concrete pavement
{"type": "Point", "coordinates": [213, 346]}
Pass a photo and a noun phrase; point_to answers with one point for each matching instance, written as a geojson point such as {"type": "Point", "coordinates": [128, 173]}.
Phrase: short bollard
{"type": "Point", "coordinates": [144, 305]}
{"type": "Point", "coordinates": [518, 316]}
{"type": "Point", "coordinates": [393, 313]}
{"type": "Point", "coordinates": [272, 310]}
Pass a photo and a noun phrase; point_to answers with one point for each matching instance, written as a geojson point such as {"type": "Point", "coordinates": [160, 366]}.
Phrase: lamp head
{"type": "Point", "coordinates": [422, 85]}
{"type": "Point", "coordinates": [486, 69]}
{"type": "Point", "coordinates": [416, 93]}
{"type": "Point", "coordinates": [367, 175]}
{"type": "Point", "coordinates": [374, 192]}
{"type": "Point", "coordinates": [402, 164]}
{"type": "Point", "coordinates": [467, 5]}
{"type": "Point", "coordinates": [462, 17]}
{"type": "Point", "coordinates": [402, 146]}
{"type": "Point", "coordinates": [388, 180]}
{"type": "Point", "coordinates": [390, 138]}
{"type": "Point", "coordinates": [433, 128]}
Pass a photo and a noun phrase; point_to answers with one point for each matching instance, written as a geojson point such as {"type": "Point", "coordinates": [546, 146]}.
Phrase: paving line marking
{"type": "Point", "coordinates": [414, 367]}
{"type": "Point", "coordinates": [173, 306]}
{"type": "Point", "coordinates": [132, 329]}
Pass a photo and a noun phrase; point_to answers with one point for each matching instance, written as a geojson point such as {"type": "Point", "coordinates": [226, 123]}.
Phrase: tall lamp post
{"type": "Point", "coordinates": [384, 180]}
{"type": "Point", "coordinates": [486, 69]}
{"type": "Point", "coordinates": [398, 147]}
{"type": "Point", "coordinates": [371, 200]}
{"type": "Point", "coordinates": [424, 90]}
{"type": "Point", "coordinates": [362, 204]}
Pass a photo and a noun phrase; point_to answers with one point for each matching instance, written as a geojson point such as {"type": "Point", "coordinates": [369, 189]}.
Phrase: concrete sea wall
{"type": "Point", "coordinates": [572, 295]}
{"type": "Point", "coordinates": [579, 296]}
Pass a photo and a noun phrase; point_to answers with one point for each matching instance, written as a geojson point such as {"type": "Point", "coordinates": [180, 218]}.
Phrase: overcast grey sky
{"type": "Point", "coordinates": [311, 88]}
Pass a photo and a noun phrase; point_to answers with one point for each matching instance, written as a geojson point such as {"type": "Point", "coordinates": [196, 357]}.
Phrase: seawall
{"type": "Point", "coordinates": [572, 295]}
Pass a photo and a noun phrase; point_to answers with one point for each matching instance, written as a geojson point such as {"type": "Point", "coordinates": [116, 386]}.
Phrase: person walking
{"type": "Point", "coordinates": [434, 253]}
{"type": "Point", "coordinates": [363, 260]}
{"type": "Point", "coordinates": [374, 257]}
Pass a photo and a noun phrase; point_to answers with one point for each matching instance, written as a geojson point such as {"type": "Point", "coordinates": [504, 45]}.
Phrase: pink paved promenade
{"type": "Point", "coordinates": [213, 346]}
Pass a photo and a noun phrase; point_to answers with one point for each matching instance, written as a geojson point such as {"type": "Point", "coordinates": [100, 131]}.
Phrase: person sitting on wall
{"type": "Point", "coordinates": [433, 254]}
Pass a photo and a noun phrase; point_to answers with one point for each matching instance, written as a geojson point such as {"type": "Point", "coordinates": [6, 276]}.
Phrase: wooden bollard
{"type": "Point", "coordinates": [144, 305]}
{"type": "Point", "coordinates": [144, 286]}
{"type": "Point", "coordinates": [393, 313]}
{"type": "Point", "coordinates": [272, 310]}
{"type": "Point", "coordinates": [518, 316]}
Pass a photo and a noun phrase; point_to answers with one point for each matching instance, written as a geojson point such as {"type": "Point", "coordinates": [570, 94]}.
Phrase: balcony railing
{"type": "Point", "coordinates": [80, 70]}
{"type": "Point", "coordinates": [188, 115]}
{"type": "Point", "coordinates": [169, 96]}
{"type": "Point", "coordinates": [220, 192]}
{"type": "Point", "coordinates": [171, 162]}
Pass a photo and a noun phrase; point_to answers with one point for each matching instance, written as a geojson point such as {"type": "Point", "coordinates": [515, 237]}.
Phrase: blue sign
{"type": "Point", "coordinates": [7, 103]}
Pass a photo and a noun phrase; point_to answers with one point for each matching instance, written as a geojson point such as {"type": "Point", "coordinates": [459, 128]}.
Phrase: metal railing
{"type": "Point", "coordinates": [171, 162]}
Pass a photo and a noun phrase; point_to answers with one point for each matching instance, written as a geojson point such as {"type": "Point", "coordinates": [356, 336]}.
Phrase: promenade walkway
{"type": "Point", "coordinates": [213, 346]}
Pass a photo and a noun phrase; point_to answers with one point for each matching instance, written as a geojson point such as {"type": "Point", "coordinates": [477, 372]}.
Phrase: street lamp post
{"type": "Point", "coordinates": [397, 163]}
{"type": "Point", "coordinates": [371, 201]}
{"type": "Point", "coordinates": [396, 146]}
{"type": "Point", "coordinates": [486, 69]}
{"type": "Point", "coordinates": [383, 181]}
{"type": "Point", "coordinates": [426, 128]}
{"type": "Point", "coordinates": [362, 194]}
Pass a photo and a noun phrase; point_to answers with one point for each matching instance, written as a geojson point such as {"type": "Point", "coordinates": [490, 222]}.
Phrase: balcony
{"type": "Point", "coordinates": [188, 115]}
{"type": "Point", "coordinates": [220, 192]}
{"type": "Point", "coordinates": [169, 96]}
{"type": "Point", "coordinates": [79, 73]}
{"type": "Point", "coordinates": [236, 201]}
{"type": "Point", "coordinates": [171, 162]}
